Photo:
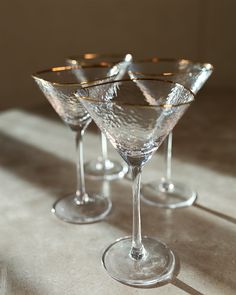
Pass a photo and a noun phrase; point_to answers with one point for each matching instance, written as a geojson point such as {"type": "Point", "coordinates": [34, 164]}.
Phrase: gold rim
{"type": "Point", "coordinates": [156, 59]}
{"type": "Point", "coordinates": [140, 79]}
{"type": "Point", "coordinates": [38, 74]}
{"type": "Point", "coordinates": [167, 74]}
{"type": "Point", "coordinates": [92, 55]}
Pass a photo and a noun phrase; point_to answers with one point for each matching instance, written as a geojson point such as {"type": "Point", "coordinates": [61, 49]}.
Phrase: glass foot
{"type": "Point", "coordinates": [95, 209]}
{"type": "Point", "coordinates": [109, 170]}
{"type": "Point", "coordinates": [168, 195]}
{"type": "Point", "coordinates": [157, 265]}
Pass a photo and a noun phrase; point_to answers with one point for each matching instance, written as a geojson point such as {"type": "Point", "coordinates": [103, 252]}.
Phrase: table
{"type": "Point", "coordinates": [41, 255]}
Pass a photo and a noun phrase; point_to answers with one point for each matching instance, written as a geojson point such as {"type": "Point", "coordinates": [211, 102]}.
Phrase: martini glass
{"type": "Point", "coordinates": [136, 115]}
{"type": "Point", "coordinates": [167, 192]}
{"type": "Point", "coordinates": [59, 85]}
{"type": "Point", "coordinates": [103, 167]}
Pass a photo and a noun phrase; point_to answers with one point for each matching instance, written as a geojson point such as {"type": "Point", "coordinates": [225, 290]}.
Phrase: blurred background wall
{"type": "Point", "coordinates": [39, 34]}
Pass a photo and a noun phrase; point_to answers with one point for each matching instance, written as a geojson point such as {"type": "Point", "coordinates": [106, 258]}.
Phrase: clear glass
{"type": "Point", "coordinates": [103, 167]}
{"type": "Point", "coordinates": [136, 115]}
{"type": "Point", "coordinates": [59, 85]}
{"type": "Point", "coordinates": [167, 192]}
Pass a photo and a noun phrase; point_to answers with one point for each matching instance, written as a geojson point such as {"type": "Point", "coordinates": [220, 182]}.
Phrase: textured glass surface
{"type": "Point", "coordinates": [64, 102]}
{"type": "Point", "coordinates": [136, 115]}
{"type": "Point", "coordinates": [60, 84]}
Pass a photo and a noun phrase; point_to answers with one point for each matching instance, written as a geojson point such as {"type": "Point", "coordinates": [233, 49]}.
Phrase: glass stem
{"type": "Point", "coordinates": [168, 157]}
{"type": "Point", "coordinates": [104, 148]}
{"type": "Point", "coordinates": [137, 249]}
{"type": "Point", "coordinates": [80, 192]}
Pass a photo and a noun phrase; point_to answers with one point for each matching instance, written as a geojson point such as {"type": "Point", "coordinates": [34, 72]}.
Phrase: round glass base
{"type": "Point", "coordinates": [168, 195]}
{"type": "Point", "coordinates": [156, 266]}
{"type": "Point", "coordinates": [96, 208]}
{"type": "Point", "coordinates": [108, 170]}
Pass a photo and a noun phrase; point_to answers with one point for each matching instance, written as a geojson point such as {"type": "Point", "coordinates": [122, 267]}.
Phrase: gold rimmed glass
{"type": "Point", "coordinates": [167, 192]}
{"type": "Point", "coordinates": [103, 167]}
{"type": "Point", "coordinates": [136, 115]}
{"type": "Point", "coordinates": [59, 85]}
